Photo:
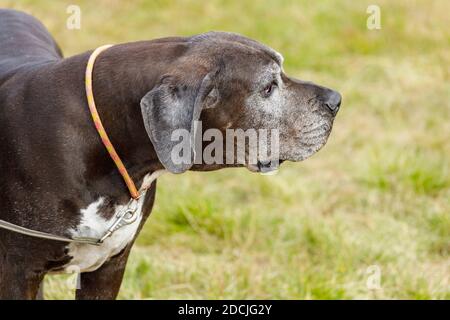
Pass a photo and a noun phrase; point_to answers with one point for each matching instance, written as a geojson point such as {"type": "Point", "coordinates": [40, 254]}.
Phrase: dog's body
{"type": "Point", "coordinates": [56, 175]}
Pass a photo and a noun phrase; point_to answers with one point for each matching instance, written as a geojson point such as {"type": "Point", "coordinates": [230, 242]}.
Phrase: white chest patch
{"type": "Point", "coordinates": [88, 257]}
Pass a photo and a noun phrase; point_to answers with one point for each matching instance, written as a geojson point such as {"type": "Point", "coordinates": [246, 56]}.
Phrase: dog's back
{"type": "Point", "coordinates": [24, 41]}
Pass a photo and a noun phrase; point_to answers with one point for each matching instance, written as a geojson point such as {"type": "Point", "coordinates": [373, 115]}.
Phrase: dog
{"type": "Point", "coordinates": [56, 175]}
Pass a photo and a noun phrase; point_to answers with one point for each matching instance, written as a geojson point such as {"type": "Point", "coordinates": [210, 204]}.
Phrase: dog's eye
{"type": "Point", "coordinates": [269, 89]}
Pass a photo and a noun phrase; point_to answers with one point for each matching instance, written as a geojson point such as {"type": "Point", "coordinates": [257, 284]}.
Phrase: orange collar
{"type": "Point", "coordinates": [135, 194]}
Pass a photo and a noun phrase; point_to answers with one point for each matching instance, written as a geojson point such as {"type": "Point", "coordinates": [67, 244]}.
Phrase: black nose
{"type": "Point", "coordinates": [333, 101]}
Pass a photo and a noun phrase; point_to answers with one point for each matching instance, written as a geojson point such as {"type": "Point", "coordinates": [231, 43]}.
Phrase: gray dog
{"type": "Point", "coordinates": [56, 175]}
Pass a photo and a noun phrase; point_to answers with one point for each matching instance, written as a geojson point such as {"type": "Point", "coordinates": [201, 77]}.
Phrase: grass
{"type": "Point", "coordinates": [377, 194]}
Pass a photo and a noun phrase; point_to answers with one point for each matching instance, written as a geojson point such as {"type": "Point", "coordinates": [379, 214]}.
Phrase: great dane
{"type": "Point", "coordinates": [56, 175]}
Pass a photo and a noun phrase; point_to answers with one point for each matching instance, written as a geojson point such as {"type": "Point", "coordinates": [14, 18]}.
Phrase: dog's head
{"type": "Point", "coordinates": [225, 86]}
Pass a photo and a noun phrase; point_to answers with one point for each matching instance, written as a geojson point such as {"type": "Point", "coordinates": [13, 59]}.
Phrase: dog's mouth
{"type": "Point", "coordinates": [307, 141]}
{"type": "Point", "coordinates": [265, 166]}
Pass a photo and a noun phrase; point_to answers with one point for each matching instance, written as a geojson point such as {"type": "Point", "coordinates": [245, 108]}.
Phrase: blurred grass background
{"type": "Point", "coordinates": [377, 194]}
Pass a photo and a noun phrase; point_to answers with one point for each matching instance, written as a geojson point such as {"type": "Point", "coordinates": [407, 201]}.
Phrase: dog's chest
{"type": "Point", "coordinates": [86, 257]}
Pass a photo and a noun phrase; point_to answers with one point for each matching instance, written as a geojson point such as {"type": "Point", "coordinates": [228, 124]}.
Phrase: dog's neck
{"type": "Point", "coordinates": [122, 75]}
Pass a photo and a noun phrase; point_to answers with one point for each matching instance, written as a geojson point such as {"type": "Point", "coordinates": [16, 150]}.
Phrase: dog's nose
{"type": "Point", "coordinates": [333, 101]}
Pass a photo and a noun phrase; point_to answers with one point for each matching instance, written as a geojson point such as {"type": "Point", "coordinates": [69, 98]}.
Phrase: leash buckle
{"type": "Point", "coordinates": [123, 218]}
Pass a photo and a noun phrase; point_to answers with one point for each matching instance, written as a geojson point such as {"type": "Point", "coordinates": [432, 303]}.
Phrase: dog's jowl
{"type": "Point", "coordinates": [58, 178]}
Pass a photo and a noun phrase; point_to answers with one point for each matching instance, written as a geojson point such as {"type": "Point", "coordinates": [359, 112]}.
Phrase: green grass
{"type": "Point", "coordinates": [377, 194]}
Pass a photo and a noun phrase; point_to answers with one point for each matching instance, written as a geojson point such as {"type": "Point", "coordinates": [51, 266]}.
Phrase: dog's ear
{"type": "Point", "coordinates": [170, 111]}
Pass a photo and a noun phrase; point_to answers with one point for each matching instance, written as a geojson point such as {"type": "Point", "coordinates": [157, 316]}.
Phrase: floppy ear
{"type": "Point", "coordinates": [169, 107]}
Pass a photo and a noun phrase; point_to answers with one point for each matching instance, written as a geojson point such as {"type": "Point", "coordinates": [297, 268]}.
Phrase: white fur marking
{"type": "Point", "coordinates": [87, 257]}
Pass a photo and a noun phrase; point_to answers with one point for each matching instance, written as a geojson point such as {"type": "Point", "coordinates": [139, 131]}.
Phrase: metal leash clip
{"type": "Point", "coordinates": [125, 217]}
